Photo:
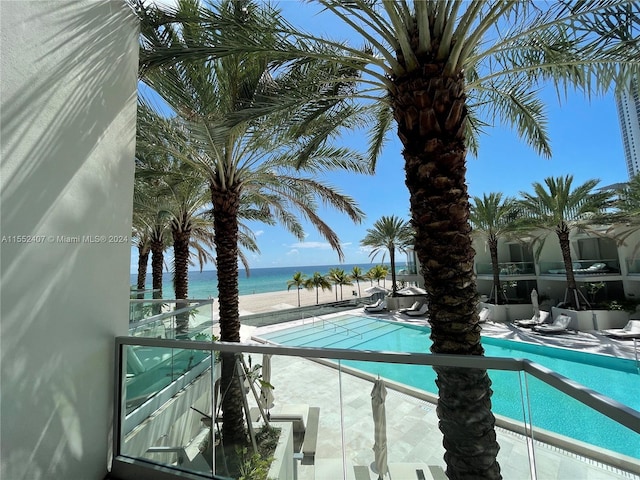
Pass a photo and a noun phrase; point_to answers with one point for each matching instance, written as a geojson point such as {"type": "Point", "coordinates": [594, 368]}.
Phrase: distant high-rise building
{"type": "Point", "coordinates": [628, 103]}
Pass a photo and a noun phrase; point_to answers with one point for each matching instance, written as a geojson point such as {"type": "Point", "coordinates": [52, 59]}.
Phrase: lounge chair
{"type": "Point", "coordinates": [418, 313]}
{"type": "Point", "coordinates": [630, 330]}
{"type": "Point", "coordinates": [559, 325]}
{"type": "Point", "coordinates": [535, 320]}
{"type": "Point", "coordinates": [375, 304]}
{"type": "Point", "coordinates": [485, 315]}
{"type": "Point", "coordinates": [379, 307]}
{"type": "Point", "coordinates": [416, 306]}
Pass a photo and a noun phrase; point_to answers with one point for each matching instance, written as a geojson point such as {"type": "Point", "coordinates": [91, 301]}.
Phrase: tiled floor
{"type": "Point", "coordinates": [413, 434]}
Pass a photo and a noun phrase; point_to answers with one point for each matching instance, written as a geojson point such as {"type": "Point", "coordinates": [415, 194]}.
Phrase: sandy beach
{"type": "Point", "coordinates": [271, 301]}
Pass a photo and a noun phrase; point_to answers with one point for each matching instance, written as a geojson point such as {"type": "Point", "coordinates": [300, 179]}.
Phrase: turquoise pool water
{"type": "Point", "coordinates": [551, 410]}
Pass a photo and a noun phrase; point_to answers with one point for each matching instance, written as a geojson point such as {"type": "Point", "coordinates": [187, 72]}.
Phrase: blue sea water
{"type": "Point", "coordinates": [260, 280]}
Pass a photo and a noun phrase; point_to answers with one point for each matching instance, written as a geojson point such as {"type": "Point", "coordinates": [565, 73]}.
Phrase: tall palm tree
{"type": "Point", "coordinates": [318, 281]}
{"type": "Point", "coordinates": [339, 278]}
{"type": "Point", "coordinates": [244, 136]}
{"type": "Point", "coordinates": [377, 273]}
{"type": "Point", "coordinates": [299, 281]}
{"type": "Point", "coordinates": [626, 214]}
{"type": "Point", "coordinates": [558, 207]}
{"type": "Point", "coordinates": [437, 68]}
{"type": "Point", "coordinates": [493, 218]}
{"type": "Point", "coordinates": [389, 234]}
{"type": "Point", "coordinates": [357, 275]}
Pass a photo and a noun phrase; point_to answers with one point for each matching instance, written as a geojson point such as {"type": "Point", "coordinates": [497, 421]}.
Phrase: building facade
{"type": "Point", "coordinates": [628, 105]}
{"type": "Point", "coordinates": [68, 103]}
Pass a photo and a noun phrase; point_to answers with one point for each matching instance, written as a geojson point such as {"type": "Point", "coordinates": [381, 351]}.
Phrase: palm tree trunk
{"type": "Point", "coordinates": [143, 260]}
{"type": "Point", "coordinates": [225, 223]}
{"type": "Point", "coordinates": [181, 238]}
{"type": "Point", "coordinates": [392, 259]}
{"type": "Point", "coordinates": [497, 288]}
{"type": "Point", "coordinates": [157, 264]}
{"type": "Point", "coordinates": [431, 114]}
{"type": "Point", "coordinates": [565, 247]}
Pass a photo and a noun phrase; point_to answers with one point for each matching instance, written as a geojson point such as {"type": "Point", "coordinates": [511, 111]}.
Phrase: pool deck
{"type": "Point", "coordinates": [413, 435]}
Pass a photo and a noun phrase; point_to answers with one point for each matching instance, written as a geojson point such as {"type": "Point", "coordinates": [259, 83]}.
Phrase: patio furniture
{"type": "Point", "coordinates": [418, 313]}
{"type": "Point", "coordinates": [559, 325]}
{"type": "Point", "coordinates": [630, 330]}
{"type": "Point", "coordinates": [533, 321]}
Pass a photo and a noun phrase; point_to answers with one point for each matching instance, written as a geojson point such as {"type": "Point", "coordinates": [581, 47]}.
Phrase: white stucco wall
{"type": "Point", "coordinates": [68, 105]}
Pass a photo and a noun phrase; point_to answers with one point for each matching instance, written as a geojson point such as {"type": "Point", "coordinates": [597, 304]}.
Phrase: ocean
{"type": "Point", "coordinates": [261, 280]}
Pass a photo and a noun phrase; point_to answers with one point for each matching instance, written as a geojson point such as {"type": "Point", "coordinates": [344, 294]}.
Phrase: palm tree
{"type": "Point", "coordinates": [492, 218]}
{"type": "Point", "coordinates": [436, 68]}
{"type": "Point", "coordinates": [318, 281]}
{"type": "Point", "coordinates": [299, 281]}
{"type": "Point", "coordinates": [357, 275]}
{"type": "Point", "coordinates": [245, 138]}
{"type": "Point", "coordinates": [389, 234]}
{"type": "Point", "coordinates": [626, 214]}
{"type": "Point", "coordinates": [339, 278]}
{"type": "Point", "coordinates": [377, 273]}
{"type": "Point", "coordinates": [560, 208]}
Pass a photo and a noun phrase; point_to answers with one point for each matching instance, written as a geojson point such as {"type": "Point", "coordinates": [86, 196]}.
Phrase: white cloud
{"type": "Point", "coordinates": [293, 252]}
{"type": "Point", "coordinates": [307, 245]}
{"type": "Point", "coordinates": [257, 233]}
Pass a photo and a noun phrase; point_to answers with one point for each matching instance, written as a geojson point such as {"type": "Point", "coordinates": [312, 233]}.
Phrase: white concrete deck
{"type": "Point", "coordinates": [412, 424]}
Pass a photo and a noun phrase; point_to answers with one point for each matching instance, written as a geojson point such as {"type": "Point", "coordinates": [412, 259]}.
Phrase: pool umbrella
{"type": "Point", "coordinates": [378, 395]}
{"type": "Point", "coordinates": [266, 390]}
{"type": "Point", "coordinates": [536, 305]}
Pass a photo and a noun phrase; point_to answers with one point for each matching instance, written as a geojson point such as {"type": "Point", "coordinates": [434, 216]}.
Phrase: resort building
{"type": "Point", "coordinates": [628, 104]}
{"type": "Point", "coordinates": [84, 393]}
{"type": "Point", "coordinates": [597, 260]}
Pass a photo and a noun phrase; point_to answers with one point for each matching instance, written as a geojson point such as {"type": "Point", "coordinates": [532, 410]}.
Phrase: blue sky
{"type": "Point", "coordinates": [585, 139]}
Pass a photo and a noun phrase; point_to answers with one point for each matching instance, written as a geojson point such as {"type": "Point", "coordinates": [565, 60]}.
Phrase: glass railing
{"type": "Point", "coordinates": [633, 266]}
{"type": "Point", "coordinates": [507, 268]}
{"type": "Point", "coordinates": [582, 267]}
{"type": "Point", "coordinates": [169, 418]}
{"type": "Point", "coordinates": [186, 319]}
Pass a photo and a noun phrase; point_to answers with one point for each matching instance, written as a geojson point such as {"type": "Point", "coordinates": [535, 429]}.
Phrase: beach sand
{"type": "Point", "coordinates": [272, 301]}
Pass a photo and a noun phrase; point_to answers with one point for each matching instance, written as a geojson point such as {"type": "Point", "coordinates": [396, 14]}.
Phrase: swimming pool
{"type": "Point", "coordinates": [614, 377]}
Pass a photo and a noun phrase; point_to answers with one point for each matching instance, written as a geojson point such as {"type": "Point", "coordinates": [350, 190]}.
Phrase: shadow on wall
{"type": "Point", "coordinates": [68, 137]}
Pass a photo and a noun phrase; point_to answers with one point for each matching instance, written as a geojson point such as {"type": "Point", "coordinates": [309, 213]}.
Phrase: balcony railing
{"type": "Point", "coordinates": [168, 318]}
{"type": "Point", "coordinates": [507, 268]}
{"type": "Point", "coordinates": [166, 423]}
{"type": "Point", "coordinates": [633, 266]}
{"type": "Point", "coordinates": [583, 267]}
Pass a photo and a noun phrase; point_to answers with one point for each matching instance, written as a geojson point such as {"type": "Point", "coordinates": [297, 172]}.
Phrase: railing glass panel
{"type": "Point", "coordinates": [167, 397]}
{"type": "Point", "coordinates": [583, 267]}
{"type": "Point", "coordinates": [192, 319]}
{"type": "Point", "coordinates": [633, 266]}
{"type": "Point", "coordinates": [170, 411]}
{"type": "Point", "coordinates": [507, 268]}
{"type": "Point", "coordinates": [561, 420]}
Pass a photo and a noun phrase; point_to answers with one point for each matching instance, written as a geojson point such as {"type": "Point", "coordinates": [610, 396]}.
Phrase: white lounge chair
{"type": "Point", "coordinates": [559, 325]}
{"type": "Point", "coordinates": [380, 307]}
{"type": "Point", "coordinates": [630, 330]}
{"type": "Point", "coordinates": [484, 315]}
{"type": "Point", "coordinates": [535, 320]}
{"type": "Point", "coordinates": [375, 304]}
{"type": "Point", "coordinates": [416, 306]}
{"type": "Point", "coordinates": [418, 313]}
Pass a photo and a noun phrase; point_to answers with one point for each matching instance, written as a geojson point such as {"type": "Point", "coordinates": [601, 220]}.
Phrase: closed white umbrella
{"type": "Point", "coordinates": [536, 305]}
{"type": "Point", "coordinates": [378, 396]}
{"type": "Point", "coordinates": [266, 390]}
